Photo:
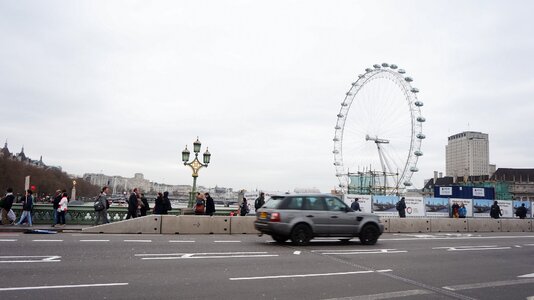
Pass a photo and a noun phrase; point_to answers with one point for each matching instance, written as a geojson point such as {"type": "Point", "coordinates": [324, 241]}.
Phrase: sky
{"type": "Point", "coordinates": [121, 87]}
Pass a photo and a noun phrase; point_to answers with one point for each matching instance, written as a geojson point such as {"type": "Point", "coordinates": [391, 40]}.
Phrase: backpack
{"type": "Point", "coordinates": [398, 205]}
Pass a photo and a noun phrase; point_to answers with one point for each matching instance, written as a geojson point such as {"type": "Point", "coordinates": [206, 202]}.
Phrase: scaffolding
{"type": "Point", "coordinates": [373, 183]}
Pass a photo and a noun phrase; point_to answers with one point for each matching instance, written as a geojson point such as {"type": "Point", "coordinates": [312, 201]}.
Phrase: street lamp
{"type": "Point", "coordinates": [195, 165]}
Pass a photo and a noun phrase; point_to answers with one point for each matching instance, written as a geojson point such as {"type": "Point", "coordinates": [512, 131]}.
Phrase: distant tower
{"type": "Point", "coordinates": [467, 154]}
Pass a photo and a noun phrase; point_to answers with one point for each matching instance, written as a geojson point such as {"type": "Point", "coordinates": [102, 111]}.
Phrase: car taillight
{"type": "Point", "coordinates": [275, 217]}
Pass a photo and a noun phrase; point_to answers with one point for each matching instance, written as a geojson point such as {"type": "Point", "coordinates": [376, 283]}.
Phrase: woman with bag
{"type": "Point", "coordinates": [62, 209]}
{"type": "Point", "coordinates": [200, 204]}
{"type": "Point", "coordinates": [27, 206]}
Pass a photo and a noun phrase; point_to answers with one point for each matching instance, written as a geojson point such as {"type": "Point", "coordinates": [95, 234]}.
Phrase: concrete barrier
{"type": "Point", "coordinates": [386, 224]}
{"type": "Point", "coordinates": [169, 224]}
{"type": "Point", "coordinates": [185, 224]}
{"type": "Point", "coordinates": [148, 224]}
{"type": "Point", "coordinates": [483, 225]}
{"type": "Point", "coordinates": [242, 225]}
{"type": "Point", "coordinates": [409, 225]}
{"type": "Point", "coordinates": [516, 225]}
{"type": "Point", "coordinates": [448, 225]}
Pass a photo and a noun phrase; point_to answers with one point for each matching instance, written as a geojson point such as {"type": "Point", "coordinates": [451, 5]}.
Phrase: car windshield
{"type": "Point", "coordinates": [272, 202]}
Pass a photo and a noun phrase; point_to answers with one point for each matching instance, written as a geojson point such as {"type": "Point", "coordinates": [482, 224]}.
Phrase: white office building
{"type": "Point", "coordinates": [467, 154]}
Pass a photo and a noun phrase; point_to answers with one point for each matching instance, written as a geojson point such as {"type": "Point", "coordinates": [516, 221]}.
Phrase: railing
{"type": "Point", "coordinates": [85, 215]}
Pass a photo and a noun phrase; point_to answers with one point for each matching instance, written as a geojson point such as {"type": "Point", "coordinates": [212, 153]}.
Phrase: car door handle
{"type": "Point", "coordinates": [334, 217]}
{"type": "Point", "coordinates": [309, 216]}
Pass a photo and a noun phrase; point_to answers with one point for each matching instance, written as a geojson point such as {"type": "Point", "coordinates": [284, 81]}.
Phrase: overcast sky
{"type": "Point", "coordinates": [121, 87]}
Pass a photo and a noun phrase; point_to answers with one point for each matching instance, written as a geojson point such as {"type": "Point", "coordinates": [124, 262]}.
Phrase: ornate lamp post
{"type": "Point", "coordinates": [195, 165]}
{"type": "Point", "coordinates": [73, 193]}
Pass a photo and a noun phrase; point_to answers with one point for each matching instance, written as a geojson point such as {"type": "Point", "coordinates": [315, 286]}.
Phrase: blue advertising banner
{"type": "Point", "coordinates": [464, 192]}
{"type": "Point", "coordinates": [437, 207]}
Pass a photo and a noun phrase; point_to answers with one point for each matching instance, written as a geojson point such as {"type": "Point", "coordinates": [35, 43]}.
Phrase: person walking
{"type": "Point", "coordinates": [132, 205]}
{"type": "Point", "coordinates": [243, 209]}
{"type": "Point", "coordinates": [62, 209]}
{"type": "Point", "coordinates": [258, 203]}
{"type": "Point", "coordinates": [401, 208]}
{"type": "Point", "coordinates": [462, 211]}
{"type": "Point", "coordinates": [454, 210]}
{"type": "Point", "coordinates": [159, 208]}
{"type": "Point", "coordinates": [103, 213]}
{"type": "Point", "coordinates": [27, 206]}
{"type": "Point", "coordinates": [495, 210]}
{"type": "Point", "coordinates": [355, 205]}
{"type": "Point", "coordinates": [210, 205]}
{"type": "Point", "coordinates": [55, 205]}
{"type": "Point", "coordinates": [521, 211]}
{"type": "Point", "coordinates": [166, 203]}
{"type": "Point", "coordinates": [7, 203]}
{"type": "Point", "coordinates": [145, 207]}
{"type": "Point", "coordinates": [200, 204]}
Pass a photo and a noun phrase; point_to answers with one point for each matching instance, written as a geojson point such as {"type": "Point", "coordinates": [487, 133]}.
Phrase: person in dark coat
{"type": "Point", "coordinates": [145, 207]}
{"type": "Point", "coordinates": [210, 205]}
{"type": "Point", "coordinates": [355, 205]}
{"type": "Point", "coordinates": [495, 210]}
{"type": "Point", "coordinates": [132, 205]}
{"type": "Point", "coordinates": [55, 205]}
{"type": "Point", "coordinates": [158, 205]}
{"type": "Point", "coordinates": [401, 208]}
{"type": "Point", "coordinates": [27, 206]}
{"type": "Point", "coordinates": [166, 203]}
{"type": "Point", "coordinates": [521, 211]}
{"type": "Point", "coordinates": [243, 209]}
{"type": "Point", "coordinates": [7, 203]}
{"type": "Point", "coordinates": [258, 203]}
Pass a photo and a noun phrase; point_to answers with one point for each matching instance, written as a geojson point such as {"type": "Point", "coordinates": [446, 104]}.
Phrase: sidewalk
{"type": "Point", "coordinates": [46, 227]}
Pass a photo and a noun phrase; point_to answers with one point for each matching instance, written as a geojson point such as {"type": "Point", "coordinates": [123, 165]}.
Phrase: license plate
{"type": "Point", "coordinates": [263, 215]}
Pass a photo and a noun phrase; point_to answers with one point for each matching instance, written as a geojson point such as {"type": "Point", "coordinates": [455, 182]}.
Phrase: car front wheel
{"type": "Point", "coordinates": [369, 235]}
{"type": "Point", "coordinates": [301, 235]}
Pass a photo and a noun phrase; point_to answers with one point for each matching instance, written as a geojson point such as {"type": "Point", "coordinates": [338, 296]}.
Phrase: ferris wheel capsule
{"type": "Point", "coordinates": [368, 70]}
{"type": "Point", "coordinates": [377, 66]}
{"type": "Point", "coordinates": [421, 119]}
{"type": "Point", "coordinates": [401, 71]}
{"type": "Point", "coordinates": [407, 183]}
{"type": "Point", "coordinates": [409, 79]}
{"type": "Point", "coordinates": [418, 103]}
{"type": "Point", "coordinates": [393, 67]}
{"type": "Point", "coordinates": [385, 65]}
{"type": "Point", "coordinates": [420, 136]}
{"type": "Point", "coordinates": [414, 90]}
{"type": "Point", "coordinates": [418, 153]}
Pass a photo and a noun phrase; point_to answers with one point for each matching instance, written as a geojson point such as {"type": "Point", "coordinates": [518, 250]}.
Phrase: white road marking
{"type": "Point", "coordinates": [526, 275]}
{"type": "Point", "coordinates": [203, 253]}
{"type": "Point", "coordinates": [94, 240]}
{"type": "Point", "coordinates": [138, 241]}
{"type": "Point", "coordinates": [8, 240]}
{"type": "Point", "coordinates": [173, 256]}
{"type": "Point", "coordinates": [458, 238]}
{"type": "Point", "coordinates": [29, 259]}
{"type": "Point", "coordinates": [530, 245]}
{"type": "Point", "coordinates": [47, 240]}
{"type": "Point", "coordinates": [296, 252]}
{"type": "Point", "coordinates": [350, 252]}
{"type": "Point", "coordinates": [487, 284]}
{"type": "Point", "coordinates": [181, 241]}
{"type": "Point", "coordinates": [386, 295]}
{"type": "Point", "coordinates": [302, 275]}
{"type": "Point", "coordinates": [43, 287]}
{"type": "Point", "coordinates": [473, 248]}
{"type": "Point", "coordinates": [227, 241]}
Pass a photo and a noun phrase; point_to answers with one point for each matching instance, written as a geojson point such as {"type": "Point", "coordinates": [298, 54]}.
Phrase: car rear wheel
{"type": "Point", "coordinates": [369, 235]}
{"type": "Point", "coordinates": [279, 238]}
{"type": "Point", "coordinates": [301, 235]}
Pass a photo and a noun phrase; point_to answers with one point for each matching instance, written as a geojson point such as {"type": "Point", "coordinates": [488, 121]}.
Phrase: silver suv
{"type": "Point", "coordinates": [301, 217]}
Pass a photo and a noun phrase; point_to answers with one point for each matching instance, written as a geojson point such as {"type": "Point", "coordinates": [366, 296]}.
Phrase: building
{"type": "Point", "coordinates": [467, 154]}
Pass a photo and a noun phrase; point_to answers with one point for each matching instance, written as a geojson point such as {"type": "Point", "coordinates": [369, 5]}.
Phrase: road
{"type": "Point", "coordinates": [409, 266]}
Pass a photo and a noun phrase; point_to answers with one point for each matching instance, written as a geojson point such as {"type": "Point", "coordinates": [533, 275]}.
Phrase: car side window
{"type": "Point", "coordinates": [314, 203]}
{"type": "Point", "coordinates": [334, 204]}
{"type": "Point", "coordinates": [295, 203]}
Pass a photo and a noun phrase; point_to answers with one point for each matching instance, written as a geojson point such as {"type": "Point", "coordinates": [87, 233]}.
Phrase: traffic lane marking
{"type": "Point", "coordinates": [461, 287]}
{"type": "Point", "coordinates": [386, 295]}
{"type": "Point", "coordinates": [47, 240]}
{"type": "Point", "coordinates": [353, 251]}
{"type": "Point", "coordinates": [137, 241]}
{"type": "Point", "coordinates": [469, 237]}
{"type": "Point", "coordinates": [8, 240]}
{"type": "Point", "coordinates": [227, 241]}
{"type": "Point", "coordinates": [29, 258]}
{"type": "Point", "coordinates": [308, 275]}
{"type": "Point", "coordinates": [181, 241]}
{"type": "Point", "coordinates": [94, 240]}
{"type": "Point", "coordinates": [473, 248]}
{"type": "Point", "coordinates": [174, 256]}
{"type": "Point", "coordinates": [43, 287]}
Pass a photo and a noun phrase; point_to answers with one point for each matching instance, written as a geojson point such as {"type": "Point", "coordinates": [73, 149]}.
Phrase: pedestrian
{"type": "Point", "coordinates": [62, 209]}
{"type": "Point", "coordinates": [132, 205]}
{"type": "Point", "coordinates": [145, 207]}
{"type": "Point", "coordinates": [167, 203]}
{"type": "Point", "coordinates": [454, 209]}
{"type": "Point", "coordinates": [7, 203]}
{"type": "Point", "coordinates": [200, 204]}
{"type": "Point", "coordinates": [495, 210]}
{"type": "Point", "coordinates": [355, 205]}
{"type": "Point", "coordinates": [521, 211]}
{"type": "Point", "coordinates": [27, 206]}
{"type": "Point", "coordinates": [462, 211]}
{"type": "Point", "coordinates": [210, 205]}
{"type": "Point", "coordinates": [102, 213]}
{"type": "Point", "coordinates": [55, 205]}
{"type": "Point", "coordinates": [401, 207]}
{"type": "Point", "coordinates": [258, 203]}
{"type": "Point", "coordinates": [243, 209]}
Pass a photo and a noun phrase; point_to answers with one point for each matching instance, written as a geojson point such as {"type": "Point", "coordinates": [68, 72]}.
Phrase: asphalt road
{"type": "Point", "coordinates": [409, 266]}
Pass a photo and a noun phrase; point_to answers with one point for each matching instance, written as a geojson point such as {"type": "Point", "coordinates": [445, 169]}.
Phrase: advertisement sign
{"type": "Point", "coordinates": [468, 203]}
{"type": "Point", "coordinates": [415, 207]}
{"type": "Point", "coordinates": [528, 206]}
{"type": "Point", "coordinates": [478, 192]}
{"type": "Point", "coordinates": [507, 208]}
{"type": "Point", "coordinates": [385, 205]}
{"type": "Point", "coordinates": [364, 200]}
{"type": "Point", "coordinates": [481, 208]}
{"type": "Point", "coordinates": [437, 207]}
{"type": "Point", "coordinates": [445, 191]}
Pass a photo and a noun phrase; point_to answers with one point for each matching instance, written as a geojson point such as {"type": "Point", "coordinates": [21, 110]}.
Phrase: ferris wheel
{"type": "Point", "coordinates": [378, 132]}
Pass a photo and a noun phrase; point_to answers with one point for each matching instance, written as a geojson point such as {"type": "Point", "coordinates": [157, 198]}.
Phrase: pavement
{"type": "Point", "coordinates": [42, 227]}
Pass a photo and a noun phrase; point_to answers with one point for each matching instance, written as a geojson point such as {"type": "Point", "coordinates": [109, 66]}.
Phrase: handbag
{"type": "Point", "coordinates": [98, 205]}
